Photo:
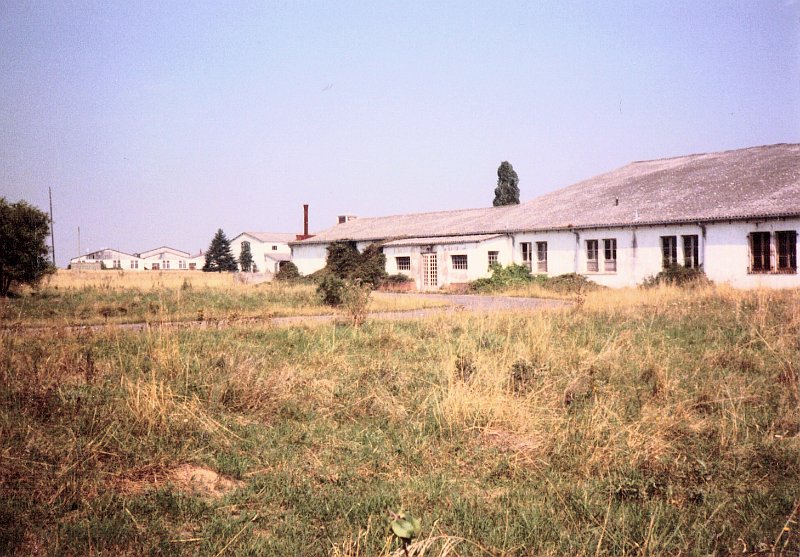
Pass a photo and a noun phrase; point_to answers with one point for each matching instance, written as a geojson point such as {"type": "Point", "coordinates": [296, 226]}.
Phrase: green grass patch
{"type": "Point", "coordinates": [651, 428]}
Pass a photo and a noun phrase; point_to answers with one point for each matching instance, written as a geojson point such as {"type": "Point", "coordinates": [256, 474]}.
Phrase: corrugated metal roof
{"type": "Point", "coordinates": [756, 182]}
{"type": "Point", "coordinates": [467, 239]}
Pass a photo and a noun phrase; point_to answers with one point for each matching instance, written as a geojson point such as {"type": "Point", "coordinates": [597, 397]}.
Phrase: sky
{"type": "Point", "coordinates": [156, 123]}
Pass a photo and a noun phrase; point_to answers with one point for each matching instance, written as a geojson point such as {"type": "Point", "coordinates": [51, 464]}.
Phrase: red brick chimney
{"type": "Point", "coordinates": [305, 233]}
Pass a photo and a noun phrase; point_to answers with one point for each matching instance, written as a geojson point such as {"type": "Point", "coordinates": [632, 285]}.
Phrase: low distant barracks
{"type": "Point", "coordinates": [735, 214]}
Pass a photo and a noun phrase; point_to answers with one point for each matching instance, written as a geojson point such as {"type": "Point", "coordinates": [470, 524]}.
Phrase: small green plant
{"type": "Point", "coordinates": [355, 299]}
{"type": "Point", "coordinates": [405, 528]}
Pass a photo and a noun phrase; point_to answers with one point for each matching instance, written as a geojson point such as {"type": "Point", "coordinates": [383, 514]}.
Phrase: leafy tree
{"type": "Point", "coordinates": [507, 190]}
{"type": "Point", "coordinates": [345, 262]}
{"type": "Point", "coordinates": [343, 259]}
{"type": "Point", "coordinates": [219, 256]}
{"type": "Point", "coordinates": [246, 258]}
{"type": "Point", "coordinates": [23, 251]}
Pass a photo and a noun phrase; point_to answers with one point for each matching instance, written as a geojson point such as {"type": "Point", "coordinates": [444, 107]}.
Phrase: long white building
{"type": "Point", "coordinates": [736, 214]}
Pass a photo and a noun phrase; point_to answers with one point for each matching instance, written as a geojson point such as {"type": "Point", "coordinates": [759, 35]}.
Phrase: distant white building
{"type": "Point", "coordinates": [269, 249]}
{"type": "Point", "coordinates": [107, 259]}
{"type": "Point", "coordinates": [168, 259]}
{"type": "Point", "coordinates": [736, 214]}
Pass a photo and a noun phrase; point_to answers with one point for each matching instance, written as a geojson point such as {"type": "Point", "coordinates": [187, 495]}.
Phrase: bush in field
{"type": "Point", "coordinates": [504, 277]}
{"type": "Point", "coordinates": [355, 300]}
{"type": "Point", "coordinates": [23, 251]}
{"type": "Point", "coordinates": [288, 271]}
{"type": "Point", "coordinates": [678, 275]}
{"type": "Point", "coordinates": [570, 283]}
{"type": "Point", "coordinates": [330, 290]}
{"type": "Point", "coordinates": [345, 262]}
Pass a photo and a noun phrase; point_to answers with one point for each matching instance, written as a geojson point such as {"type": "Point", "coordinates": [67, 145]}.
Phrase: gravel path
{"type": "Point", "coordinates": [455, 302]}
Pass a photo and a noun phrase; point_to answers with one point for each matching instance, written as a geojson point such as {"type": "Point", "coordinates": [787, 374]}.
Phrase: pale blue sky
{"type": "Point", "coordinates": [158, 122]}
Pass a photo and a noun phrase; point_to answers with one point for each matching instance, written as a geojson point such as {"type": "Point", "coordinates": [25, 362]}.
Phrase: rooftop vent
{"type": "Point", "coordinates": [346, 218]}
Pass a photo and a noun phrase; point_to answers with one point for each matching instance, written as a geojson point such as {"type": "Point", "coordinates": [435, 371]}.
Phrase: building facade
{"type": "Point", "coordinates": [735, 214]}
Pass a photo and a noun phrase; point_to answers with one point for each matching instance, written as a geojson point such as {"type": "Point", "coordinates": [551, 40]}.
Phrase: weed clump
{"type": "Point", "coordinates": [680, 276]}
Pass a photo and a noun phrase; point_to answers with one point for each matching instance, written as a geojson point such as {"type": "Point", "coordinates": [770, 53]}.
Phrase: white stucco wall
{"type": "Point", "coordinates": [309, 257]}
{"type": "Point", "coordinates": [728, 254]}
{"type": "Point", "coordinates": [477, 260]}
{"type": "Point", "coordinates": [723, 252]}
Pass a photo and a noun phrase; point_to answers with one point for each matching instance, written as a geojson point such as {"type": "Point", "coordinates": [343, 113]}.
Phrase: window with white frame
{"type": "Point", "coordinates": [592, 256]}
{"type": "Point", "coordinates": [691, 255]}
{"type": "Point", "coordinates": [459, 262]}
{"type": "Point", "coordinates": [610, 255]}
{"type": "Point", "coordinates": [166, 264]}
{"type": "Point", "coordinates": [403, 263]}
{"type": "Point", "coordinates": [493, 258]}
{"type": "Point", "coordinates": [526, 254]}
{"type": "Point", "coordinates": [541, 257]}
{"type": "Point", "coordinates": [669, 251]}
{"type": "Point", "coordinates": [787, 251]}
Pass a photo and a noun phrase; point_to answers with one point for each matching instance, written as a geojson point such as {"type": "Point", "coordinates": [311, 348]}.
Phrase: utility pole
{"type": "Point", "coordinates": [52, 233]}
{"type": "Point", "coordinates": [79, 249]}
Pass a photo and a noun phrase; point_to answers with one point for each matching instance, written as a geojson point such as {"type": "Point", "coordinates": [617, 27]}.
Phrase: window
{"type": "Point", "coordinates": [459, 261]}
{"type": "Point", "coordinates": [493, 255]}
{"type": "Point", "coordinates": [691, 257]}
{"type": "Point", "coordinates": [117, 264]}
{"type": "Point", "coordinates": [274, 248]}
{"type": "Point", "coordinates": [245, 244]}
{"type": "Point", "coordinates": [403, 263]}
{"type": "Point", "coordinates": [760, 260]}
{"type": "Point", "coordinates": [591, 256]}
{"type": "Point", "coordinates": [787, 251]}
{"type": "Point", "coordinates": [541, 257]}
{"type": "Point", "coordinates": [610, 255]}
{"type": "Point", "coordinates": [526, 254]}
{"type": "Point", "coordinates": [134, 264]}
{"type": "Point", "coordinates": [166, 265]}
{"type": "Point", "coordinates": [669, 251]}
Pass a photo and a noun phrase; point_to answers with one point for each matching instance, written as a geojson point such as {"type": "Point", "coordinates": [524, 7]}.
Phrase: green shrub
{"type": "Point", "coordinates": [397, 279]}
{"type": "Point", "coordinates": [330, 290]}
{"type": "Point", "coordinates": [504, 277]}
{"type": "Point", "coordinates": [678, 275]}
{"type": "Point", "coordinates": [345, 262]}
{"type": "Point", "coordinates": [287, 271]}
{"type": "Point", "coordinates": [570, 283]}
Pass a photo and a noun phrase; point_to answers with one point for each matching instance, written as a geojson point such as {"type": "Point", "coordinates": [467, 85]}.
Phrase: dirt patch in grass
{"type": "Point", "coordinates": [188, 478]}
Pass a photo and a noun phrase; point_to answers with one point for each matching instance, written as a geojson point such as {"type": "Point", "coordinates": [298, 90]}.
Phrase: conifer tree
{"type": "Point", "coordinates": [507, 190]}
{"type": "Point", "coordinates": [219, 256]}
{"type": "Point", "coordinates": [246, 258]}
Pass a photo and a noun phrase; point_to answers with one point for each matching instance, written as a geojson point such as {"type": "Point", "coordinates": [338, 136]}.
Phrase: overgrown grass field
{"type": "Point", "coordinates": [100, 297]}
{"type": "Point", "coordinates": [656, 422]}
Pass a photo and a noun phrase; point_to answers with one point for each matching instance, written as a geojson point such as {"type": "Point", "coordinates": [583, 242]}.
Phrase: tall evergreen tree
{"type": "Point", "coordinates": [246, 258]}
{"type": "Point", "coordinates": [507, 190]}
{"type": "Point", "coordinates": [219, 256]}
